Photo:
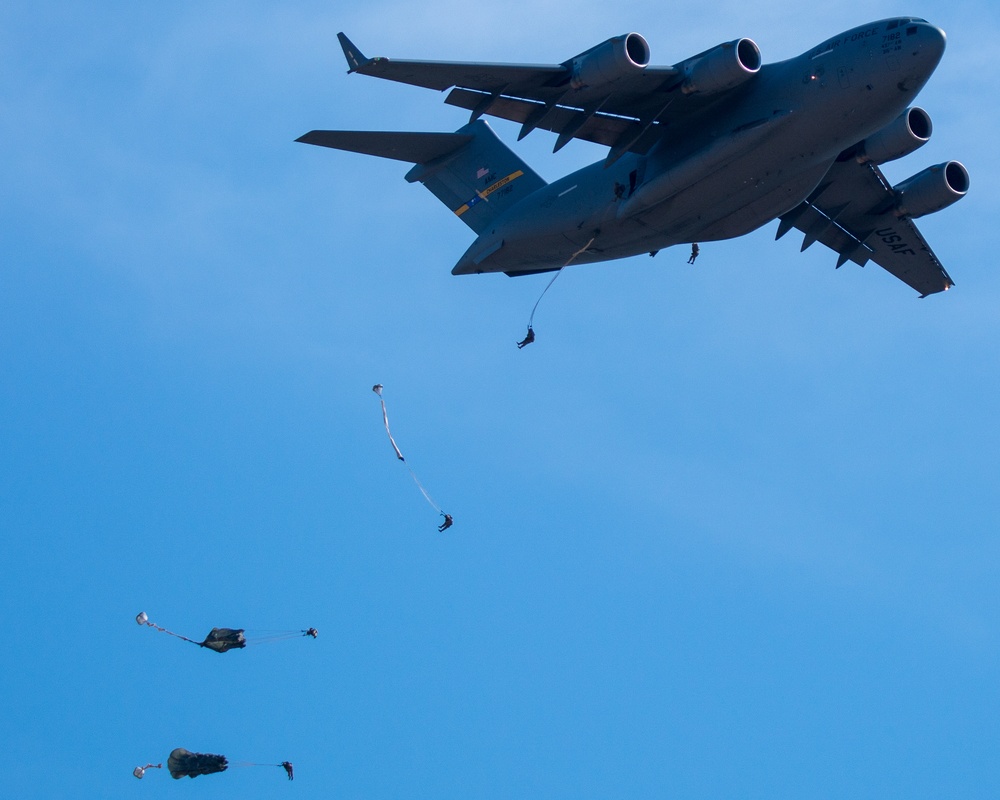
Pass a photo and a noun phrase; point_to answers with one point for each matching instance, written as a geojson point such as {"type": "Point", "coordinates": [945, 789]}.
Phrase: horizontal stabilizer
{"type": "Point", "coordinates": [414, 148]}
{"type": "Point", "coordinates": [471, 171]}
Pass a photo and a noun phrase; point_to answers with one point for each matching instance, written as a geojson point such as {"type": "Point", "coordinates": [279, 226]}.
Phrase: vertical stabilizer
{"type": "Point", "coordinates": [480, 180]}
{"type": "Point", "coordinates": [471, 171]}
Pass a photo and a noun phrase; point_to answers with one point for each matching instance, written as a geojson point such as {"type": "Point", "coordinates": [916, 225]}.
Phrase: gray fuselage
{"type": "Point", "coordinates": [727, 170]}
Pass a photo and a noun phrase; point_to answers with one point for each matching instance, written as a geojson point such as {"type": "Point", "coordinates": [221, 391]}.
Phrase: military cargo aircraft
{"type": "Point", "coordinates": [710, 148]}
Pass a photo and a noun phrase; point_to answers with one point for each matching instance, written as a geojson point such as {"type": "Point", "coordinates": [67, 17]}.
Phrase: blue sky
{"type": "Point", "coordinates": [722, 531]}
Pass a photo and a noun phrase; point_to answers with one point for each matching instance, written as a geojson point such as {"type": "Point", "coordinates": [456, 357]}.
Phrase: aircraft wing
{"type": "Point", "coordinates": [415, 148]}
{"type": "Point", "coordinates": [852, 213]}
{"type": "Point", "coordinates": [624, 117]}
{"type": "Point", "coordinates": [443, 75]}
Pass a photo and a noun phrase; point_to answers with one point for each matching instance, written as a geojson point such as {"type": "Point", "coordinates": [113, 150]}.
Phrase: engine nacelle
{"type": "Point", "coordinates": [722, 67]}
{"type": "Point", "coordinates": [935, 188]}
{"type": "Point", "coordinates": [899, 138]}
{"type": "Point", "coordinates": [610, 61]}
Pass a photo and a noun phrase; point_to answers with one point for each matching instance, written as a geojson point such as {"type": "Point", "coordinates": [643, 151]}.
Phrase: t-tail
{"type": "Point", "coordinates": [471, 171]}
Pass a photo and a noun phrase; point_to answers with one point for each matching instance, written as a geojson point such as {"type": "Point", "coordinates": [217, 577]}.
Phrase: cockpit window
{"type": "Point", "coordinates": [904, 21]}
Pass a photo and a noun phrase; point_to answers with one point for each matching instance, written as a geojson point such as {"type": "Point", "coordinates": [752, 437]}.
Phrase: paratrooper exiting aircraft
{"type": "Point", "coordinates": [708, 149]}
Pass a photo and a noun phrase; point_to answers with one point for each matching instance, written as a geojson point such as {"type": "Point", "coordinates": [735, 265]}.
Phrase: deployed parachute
{"type": "Point", "coordinates": [222, 640]}
{"type": "Point", "coordinates": [183, 763]}
{"type": "Point", "coordinates": [448, 521]}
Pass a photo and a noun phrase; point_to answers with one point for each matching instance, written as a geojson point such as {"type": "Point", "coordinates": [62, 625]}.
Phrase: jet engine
{"type": "Point", "coordinates": [610, 61]}
{"type": "Point", "coordinates": [935, 188]}
{"type": "Point", "coordinates": [899, 138]}
{"type": "Point", "coordinates": [721, 68]}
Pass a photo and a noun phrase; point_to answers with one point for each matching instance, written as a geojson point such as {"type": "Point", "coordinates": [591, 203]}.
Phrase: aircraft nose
{"type": "Point", "coordinates": [922, 47]}
{"type": "Point", "coordinates": [932, 40]}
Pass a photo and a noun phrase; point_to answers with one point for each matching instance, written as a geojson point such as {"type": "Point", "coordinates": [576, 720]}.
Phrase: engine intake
{"type": "Point", "coordinates": [723, 67]}
{"type": "Point", "coordinates": [935, 188]}
{"type": "Point", "coordinates": [910, 130]}
{"type": "Point", "coordinates": [609, 61]}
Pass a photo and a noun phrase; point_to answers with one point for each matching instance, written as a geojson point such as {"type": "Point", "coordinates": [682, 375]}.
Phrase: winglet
{"type": "Point", "coordinates": [355, 58]}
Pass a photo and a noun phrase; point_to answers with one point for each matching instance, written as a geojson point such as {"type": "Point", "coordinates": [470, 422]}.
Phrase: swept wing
{"type": "Point", "coordinates": [623, 112]}
{"type": "Point", "coordinates": [853, 211]}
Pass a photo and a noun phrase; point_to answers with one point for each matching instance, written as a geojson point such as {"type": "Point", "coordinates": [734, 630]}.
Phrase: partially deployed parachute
{"type": "Point", "coordinates": [183, 763]}
{"type": "Point", "coordinates": [448, 520]}
{"type": "Point", "coordinates": [222, 640]}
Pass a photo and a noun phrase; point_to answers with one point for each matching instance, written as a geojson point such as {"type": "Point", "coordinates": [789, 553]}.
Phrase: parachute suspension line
{"type": "Point", "coordinates": [142, 619]}
{"type": "Point", "coordinates": [377, 388]}
{"type": "Point", "coordinates": [255, 637]}
{"type": "Point", "coordinates": [423, 491]}
{"type": "Point", "coordinates": [286, 765]}
{"type": "Point", "coordinates": [530, 337]}
{"type": "Point", "coordinates": [267, 634]}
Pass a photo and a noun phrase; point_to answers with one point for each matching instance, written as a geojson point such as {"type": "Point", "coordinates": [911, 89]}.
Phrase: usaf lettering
{"type": "Point", "coordinates": [895, 242]}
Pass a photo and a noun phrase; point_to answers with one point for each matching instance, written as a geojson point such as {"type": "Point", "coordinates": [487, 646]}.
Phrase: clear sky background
{"type": "Point", "coordinates": [722, 531]}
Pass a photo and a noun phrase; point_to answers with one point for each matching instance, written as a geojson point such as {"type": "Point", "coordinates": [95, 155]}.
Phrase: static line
{"type": "Point", "coordinates": [583, 249]}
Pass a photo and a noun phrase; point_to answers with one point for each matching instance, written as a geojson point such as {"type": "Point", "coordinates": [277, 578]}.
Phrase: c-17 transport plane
{"type": "Point", "coordinates": [711, 148]}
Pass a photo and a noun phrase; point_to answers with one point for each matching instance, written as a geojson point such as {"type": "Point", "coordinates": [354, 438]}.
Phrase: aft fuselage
{"type": "Point", "coordinates": [730, 169]}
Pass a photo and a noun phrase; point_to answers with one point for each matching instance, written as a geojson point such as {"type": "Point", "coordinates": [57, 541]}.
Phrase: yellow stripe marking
{"type": "Point", "coordinates": [484, 195]}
